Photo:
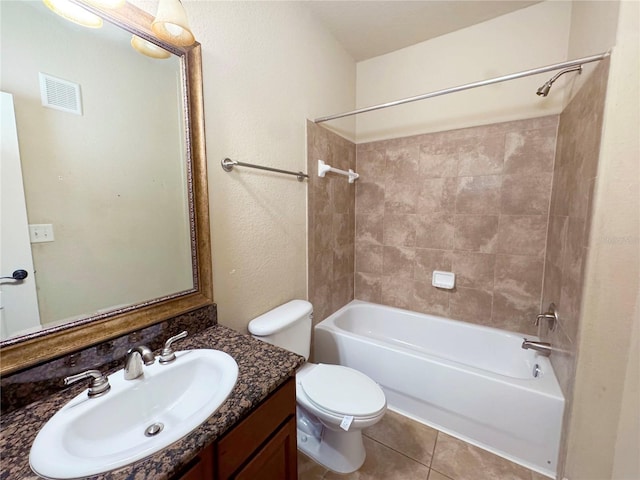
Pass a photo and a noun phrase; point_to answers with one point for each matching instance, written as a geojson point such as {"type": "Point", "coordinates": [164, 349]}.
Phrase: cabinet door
{"type": "Point", "coordinates": [200, 468]}
{"type": "Point", "coordinates": [249, 436]}
{"type": "Point", "coordinates": [277, 460]}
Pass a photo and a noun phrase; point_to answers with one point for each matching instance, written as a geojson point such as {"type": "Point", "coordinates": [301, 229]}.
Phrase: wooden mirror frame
{"type": "Point", "coordinates": [25, 351]}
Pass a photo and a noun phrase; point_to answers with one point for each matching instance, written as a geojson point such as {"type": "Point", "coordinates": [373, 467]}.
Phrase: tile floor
{"type": "Point", "coordinates": [401, 449]}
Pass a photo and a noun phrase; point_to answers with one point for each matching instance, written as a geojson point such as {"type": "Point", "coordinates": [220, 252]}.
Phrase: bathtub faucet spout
{"type": "Point", "coordinates": [543, 348]}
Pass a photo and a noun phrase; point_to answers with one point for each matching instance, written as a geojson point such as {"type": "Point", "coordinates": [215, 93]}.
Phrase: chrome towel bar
{"type": "Point", "coordinates": [228, 164]}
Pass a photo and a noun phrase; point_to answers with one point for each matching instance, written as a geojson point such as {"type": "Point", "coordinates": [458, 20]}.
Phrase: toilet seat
{"type": "Point", "coordinates": [341, 391]}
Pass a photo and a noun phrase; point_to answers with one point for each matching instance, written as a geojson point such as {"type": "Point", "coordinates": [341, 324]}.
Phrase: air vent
{"type": "Point", "coordinates": [60, 94]}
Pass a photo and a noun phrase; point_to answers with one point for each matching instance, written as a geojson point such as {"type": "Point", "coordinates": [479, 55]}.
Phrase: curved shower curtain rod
{"type": "Point", "coordinates": [482, 83]}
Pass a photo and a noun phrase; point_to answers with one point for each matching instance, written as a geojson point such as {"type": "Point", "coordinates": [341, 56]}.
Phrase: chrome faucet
{"type": "Point", "coordinates": [98, 385]}
{"type": "Point", "coordinates": [551, 316]}
{"type": "Point", "coordinates": [167, 355]}
{"type": "Point", "coordinates": [134, 359]}
{"type": "Point", "coordinates": [543, 348]}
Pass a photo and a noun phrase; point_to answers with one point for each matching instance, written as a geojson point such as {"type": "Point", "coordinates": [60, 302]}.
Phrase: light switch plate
{"type": "Point", "coordinates": [41, 232]}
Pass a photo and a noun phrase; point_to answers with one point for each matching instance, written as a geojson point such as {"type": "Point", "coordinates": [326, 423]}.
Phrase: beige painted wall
{"type": "Point", "coordinates": [113, 192]}
{"type": "Point", "coordinates": [525, 39]}
{"type": "Point", "coordinates": [593, 30]}
{"type": "Point", "coordinates": [603, 432]}
{"type": "Point", "coordinates": [268, 66]}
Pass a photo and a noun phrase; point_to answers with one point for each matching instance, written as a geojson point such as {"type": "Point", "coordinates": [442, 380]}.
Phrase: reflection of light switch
{"type": "Point", "coordinates": [42, 232]}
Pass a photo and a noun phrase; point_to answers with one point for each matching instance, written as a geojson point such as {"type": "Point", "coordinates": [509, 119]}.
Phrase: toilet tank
{"type": "Point", "coordinates": [287, 326]}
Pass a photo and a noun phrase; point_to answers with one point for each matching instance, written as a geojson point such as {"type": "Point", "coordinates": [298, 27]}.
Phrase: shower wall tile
{"type": "Point", "coordinates": [485, 158]}
{"type": "Point", "coordinates": [527, 194]}
{"type": "Point", "coordinates": [369, 259]}
{"type": "Point", "coordinates": [478, 233]}
{"type": "Point", "coordinates": [437, 160]}
{"type": "Point", "coordinates": [474, 270]}
{"type": "Point", "coordinates": [398, 291]}
{"type": "Point", "coordinates": [373, 163]}
{"type": "Point", "coordinates": [369, 229]}
{"type": "Point", "coordinates": [517, 290]}
{"type": "Point", "coordinates": [471, 305]}
{"type": "Point", "coordinates": [398, 262]}
{"type": "Point", "coordinates": [473, 201]}
{"type": "Point", "coordinates": [369, 287]}
{"type": "Point", "coordinates": [556, 240]}
{"type": "Point", "coordinates": [478, 195]}
{"type": "Point", "coordinates": [332, 224]}
{"type": "Point", "coordinates": [435, 230]}
{"type": "Point", "coordinates": [372, 198]}
{"type": "Point", "coordinates": [437, 195]}
{"type": "Point", "coordinates": [428, 260]}
{"type": "Point", "coordinates": [530, 151]}
{"type": "Point", "coordinates": [425, 297]}
{"type": "Point", "coordinates": [575, 172]}
{"type": "Point", "coordinates": [522, 234]}
{"type": "Point", "coordinates": [399, 230]}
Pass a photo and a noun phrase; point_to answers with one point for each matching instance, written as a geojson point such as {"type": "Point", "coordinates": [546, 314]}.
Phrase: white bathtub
{"type": "Point", "coordinates": [473, 382]}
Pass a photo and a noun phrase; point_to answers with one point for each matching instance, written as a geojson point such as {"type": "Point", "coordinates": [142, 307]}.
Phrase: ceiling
{"type": "Point", "coordinates": [368, 28]}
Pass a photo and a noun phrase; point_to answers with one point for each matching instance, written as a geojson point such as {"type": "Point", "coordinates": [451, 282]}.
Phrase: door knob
{"type": "Point", "coordinates": [17, 275]}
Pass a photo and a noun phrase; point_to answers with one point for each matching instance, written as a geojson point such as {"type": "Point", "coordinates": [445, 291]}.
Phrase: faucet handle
{"type": "Point", "coordinates": [168, 355]}
{"type": "Point", "coordinates": [551, 315]}
{"type": "Point", "coordinates": [99, 384]}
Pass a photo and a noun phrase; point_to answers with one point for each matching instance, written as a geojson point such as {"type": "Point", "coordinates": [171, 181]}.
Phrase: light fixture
{"type": "Point", "coordinates": [110, 4]}
{"type": "Point", "coordinates": [171, 24]}
{"type": "Point", "coordinates": [147, 48]}
{"type": "Point", "coordinates": [74, 13]}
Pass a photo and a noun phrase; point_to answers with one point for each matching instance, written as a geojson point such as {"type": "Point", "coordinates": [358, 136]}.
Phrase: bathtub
{"type": "Point", "coordinates": [475, 383]}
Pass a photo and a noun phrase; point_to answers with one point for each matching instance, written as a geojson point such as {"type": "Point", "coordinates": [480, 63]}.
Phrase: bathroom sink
{"type": "Point", "coordinates": [94, 435]}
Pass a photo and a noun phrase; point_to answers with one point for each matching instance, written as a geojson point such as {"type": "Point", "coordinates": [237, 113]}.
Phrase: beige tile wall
{"type": "Point", "coordinates": [331, 217]}
{"type": "Point", "coordinates": [576, 165]}
{"type": "Point", "coordinates": [473, 201]}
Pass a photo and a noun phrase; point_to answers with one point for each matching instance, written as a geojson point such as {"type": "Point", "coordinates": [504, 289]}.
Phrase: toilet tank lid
{"type": "Point", "coordinates": [279, 318]}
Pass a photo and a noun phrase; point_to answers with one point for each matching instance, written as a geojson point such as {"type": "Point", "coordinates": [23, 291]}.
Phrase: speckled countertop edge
{"type": "Point", "coordinates": [261, 369]}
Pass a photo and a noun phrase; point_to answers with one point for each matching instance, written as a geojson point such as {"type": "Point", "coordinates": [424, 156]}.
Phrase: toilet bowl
{"type": "Point", "coordinates": [343, 401]}
{"type": "Point", "coordinates": [334, 403]}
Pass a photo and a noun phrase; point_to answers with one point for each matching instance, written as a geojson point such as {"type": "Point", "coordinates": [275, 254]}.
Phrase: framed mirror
{"type": "Point", "coordinates": [115, 193]}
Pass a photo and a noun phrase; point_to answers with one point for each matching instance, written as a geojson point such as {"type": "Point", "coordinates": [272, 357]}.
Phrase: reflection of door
{"type": "Point", "coordinates": [18, 300]}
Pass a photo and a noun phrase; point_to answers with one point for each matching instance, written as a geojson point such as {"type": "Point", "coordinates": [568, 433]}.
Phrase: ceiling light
{"type": "Point", "coordinates": [147, 48]}
{"type": "Point", "coordinates": [171, 24]}
{"type": "Point", "coordinates": [74, 13]}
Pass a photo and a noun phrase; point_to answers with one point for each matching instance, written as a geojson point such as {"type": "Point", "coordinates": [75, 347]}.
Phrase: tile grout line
{"type": "Point", "coordinates": [398, 452]}
{"type": "Point", "coordinates": [433, 452]}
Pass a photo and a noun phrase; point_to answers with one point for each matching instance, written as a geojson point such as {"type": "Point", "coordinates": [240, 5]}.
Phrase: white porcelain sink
{"type": "Point", "coordinates": [94, 435]}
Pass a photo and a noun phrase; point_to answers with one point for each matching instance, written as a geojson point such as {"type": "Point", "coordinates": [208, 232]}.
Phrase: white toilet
{"type": "Point", "coordinates": [334, 402]}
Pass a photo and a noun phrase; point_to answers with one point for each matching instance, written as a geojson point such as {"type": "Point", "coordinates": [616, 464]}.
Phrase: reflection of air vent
{"type": "Point", "coordinates": [60, 94]}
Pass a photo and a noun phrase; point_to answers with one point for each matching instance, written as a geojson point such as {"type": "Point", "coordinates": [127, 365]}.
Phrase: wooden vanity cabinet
{"type": "Point", "coordinates": [260, 447]}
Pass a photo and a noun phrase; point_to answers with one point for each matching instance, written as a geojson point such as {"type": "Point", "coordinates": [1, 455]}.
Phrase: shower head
{"type": "Point", "coordinates": [543, 91]}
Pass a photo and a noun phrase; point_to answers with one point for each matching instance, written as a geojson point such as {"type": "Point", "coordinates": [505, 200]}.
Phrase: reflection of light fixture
{"type": "Point", "coordinates": [111, 4]}
{"type": "Point", "coordinates": [147, 48]}
{"type": "Point", "coordinates": [74, 13]}
{"type": "Point", "coordinates": [171, 24]}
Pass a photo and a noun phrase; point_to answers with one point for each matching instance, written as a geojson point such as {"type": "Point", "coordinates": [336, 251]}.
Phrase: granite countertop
{"type": "Point", "coordinates": [262, 368]}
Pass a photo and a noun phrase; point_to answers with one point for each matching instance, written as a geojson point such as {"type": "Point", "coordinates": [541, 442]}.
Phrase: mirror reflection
{"type": "Point", "coordinates": [95, 198]}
